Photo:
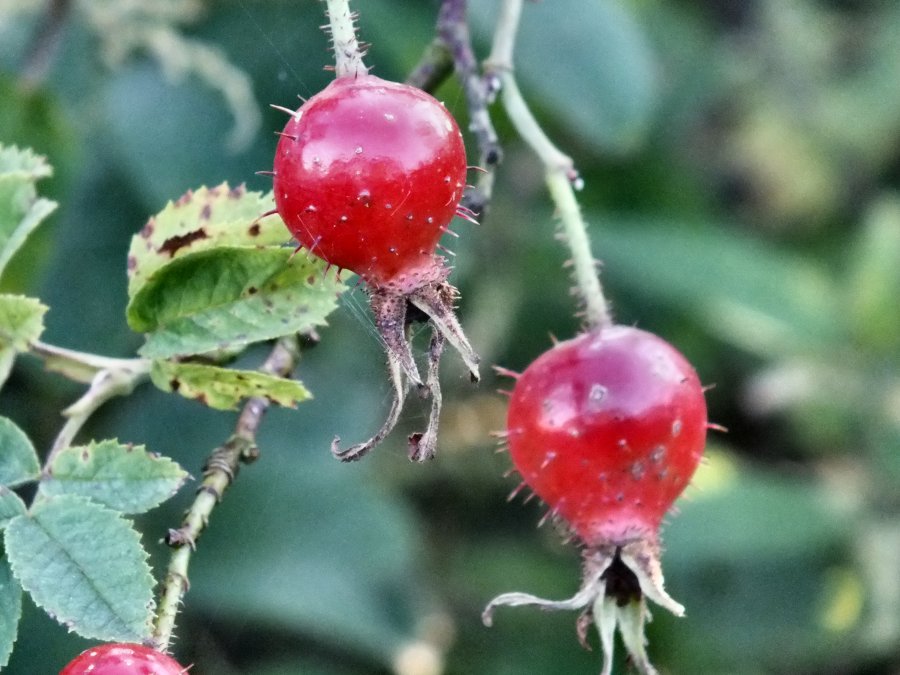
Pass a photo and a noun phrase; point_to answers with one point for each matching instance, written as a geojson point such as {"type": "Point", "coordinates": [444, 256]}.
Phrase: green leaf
{"type": "Point", "coordinates": [21, 322]}
{"type": "Point", "coordinates": [762, 299]}
{"type": "Point", "coordinates": [10, 610]}
{"type": "Point", "coordinates": [18, 459]}
{"type": "Point", "coordinates": [11, 505]}
{"type": "Point", "coordinates": [605, 89]}
{"type": "Point", "coordinates": [200, 220]}
{"type": "Point", "coordinates": [224, 388]}
{"type": "Point", "coordinates": [286, 296]}
{"type": "Point", "coordinates": [123, 477]}
{"type": "Point", "coordinates": [874, 276]}
{"type": "Point", "coordinates": [84, 565]}
{"type": "Point", "coordinates": [21, 210]}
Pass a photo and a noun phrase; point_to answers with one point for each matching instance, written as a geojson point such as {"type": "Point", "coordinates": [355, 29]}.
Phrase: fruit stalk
{"type": "Point", "coordinates": [347, 51]}
{"type": "Point", "coordinates": [561, 176]}
{"type": "Point", "coordinates": [219, 472]}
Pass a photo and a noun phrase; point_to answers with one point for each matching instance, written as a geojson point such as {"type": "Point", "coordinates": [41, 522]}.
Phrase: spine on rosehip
{"type": "Point", "coordinates": [607, 429]}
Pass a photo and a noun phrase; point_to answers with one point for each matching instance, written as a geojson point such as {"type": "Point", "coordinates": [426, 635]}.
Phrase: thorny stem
{"type": "Point", "coordinates": [453, 46]}
{"type": "Point", "coordinates": [347, 51]}
{"type": "Point", "coordinates": [561, 176]}
{"type": "Point", "coordinates": [108, 378]}
{"type": "Point", "coordinates": [219, 472]}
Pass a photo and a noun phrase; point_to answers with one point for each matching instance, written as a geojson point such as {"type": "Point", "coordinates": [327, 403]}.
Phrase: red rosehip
{"type": "Point", "coordinates": [607, 429]}
{"type": "Point", "coordinates": [123, 659]}
{"type": "Point", "coordinates": [367, 176]}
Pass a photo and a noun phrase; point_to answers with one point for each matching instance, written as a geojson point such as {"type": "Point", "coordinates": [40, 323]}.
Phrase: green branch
{"type": "Point", "coordinates": [218, 473]}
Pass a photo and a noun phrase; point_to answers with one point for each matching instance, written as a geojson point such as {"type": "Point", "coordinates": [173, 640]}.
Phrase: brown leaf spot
{"type": "Point", "coordinates": [172, 244]}
{"type": "Point", "coordinates": [174, 385]}
{"type": "Point", "coordinates": [238, 191]}
{"type": "Point", "coordinates": [132, 263]}
{"type": "Point", "coordinates": [205, 212]}
{"type": "Point", "coordinates": [254, 230]}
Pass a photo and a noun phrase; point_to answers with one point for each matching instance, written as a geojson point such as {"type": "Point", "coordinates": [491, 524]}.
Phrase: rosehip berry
{"type": "Point", "coordinates": [123, 659]}
{"type": "Point", "coordinates": [607, 429]}
{"type": "Point", "coordinates": [368, 175]}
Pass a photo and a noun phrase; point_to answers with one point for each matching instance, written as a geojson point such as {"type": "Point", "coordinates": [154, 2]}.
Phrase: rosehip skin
{"type": "Point", "coordinates": [368, 174]}
{"type": "Point", "coordinates": [123, 659]}
{"type": "Point", "coordinates": [607, 429]}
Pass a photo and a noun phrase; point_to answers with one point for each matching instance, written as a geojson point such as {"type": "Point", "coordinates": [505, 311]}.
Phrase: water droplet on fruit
{"type": "Point", "coordinates": [676, 428]}
{"type": "Point", "coordinates": [389, 117]}
{"type": "Point", "coordinates": [448, 126]}
{"type": "Point", "coordinates": [595, 397]}
{"type": "Point", "coordinates": [447, 179]}
{"type": "Point", "coordinates": [388, 206]}
{"type": "Point", "coordinates": [311, 208]}
{"type": "Point", "coordinates": [344, 219]}
{"type": "Point", "coordinates": [365, 197]}
{"type": "Point", "coordinates": [358, 150]}
{"type": "Point", "coordinates": [409, 216]}
{"type": "Point", "coordinates": [658, 454]}
{"type": "Point", "coordinates": [429, 220]}
{"type": "Point", "coordinates": [549, 457]}
{"type": "Point", "coordinates": [637, 470]}
{"type": "Point", "coordinates": [622, 443]}
{"type": "Point", "coordinates": [392, 249]}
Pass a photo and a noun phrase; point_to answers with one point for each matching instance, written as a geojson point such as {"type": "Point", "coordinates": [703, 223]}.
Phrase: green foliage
{"type": "Point", "coordinates": [84, 564]}
{"type": "Point", "coordinates": [616, 79]}
{"type": "Point", "coordinates": [124, 478]}
{"type": "Point", "coordinates": [10, 609]}
{"type": "Point", "coordinates": [208, 272]}
{"type": "Point", "coordinates": [11, 505]}
{"type": "Point", "coordinates": [199, 220]}
{"type": "Point", "coordinates": [224, 388]}
{"type": "Point", "coordinates": [21, 323]}
{"type": "Point", "coordinates": [21, 210]}
{"type": "Point", "coordinates": [18, 459]}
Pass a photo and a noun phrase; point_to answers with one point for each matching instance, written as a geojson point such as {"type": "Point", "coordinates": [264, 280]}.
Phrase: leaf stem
{"type": "Point", "coordinates": [348, 54]}
{"type": "Point", "coordinates": [218, 473]}
{"type": "Point", "coordinates": [108, 378]}
{"type": "Point", "coordinates": [561, 176]}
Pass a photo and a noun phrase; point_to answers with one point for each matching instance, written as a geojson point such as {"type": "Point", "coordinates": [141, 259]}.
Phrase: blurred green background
{"type": "Point", "coordinates": [741, 162]}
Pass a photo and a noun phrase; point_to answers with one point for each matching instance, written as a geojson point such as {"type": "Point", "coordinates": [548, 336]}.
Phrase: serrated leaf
{"type": "Point", "coordinates": [297, 296]}
{"type": "Point", "coordinates": [200, 220]}
{"type": "Point", "coordinates": [201, 281]}
{"type": "Point", "coordinates": [18, 459]}
{"type": "Point", "coordinates": [84, 565]}
{"type": "Point", "coordinates": [21, 210]}
{"type": "Point", "coordinates": [11, 505]}
{"type": "Point", "coordinates": [224, 388]}
{"type": "Point", "coordinates": [21, 321]}
{"type": "Point", "coordinates": [10, 610]}
{"type": "Point", "coordinates": [125, 478]}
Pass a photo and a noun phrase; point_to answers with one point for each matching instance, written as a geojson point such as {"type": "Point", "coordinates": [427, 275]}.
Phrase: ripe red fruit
{"type": "Point", "coordinates": [607, 429]}
{"type": "Point", "coordinates": [367, 176]}
{"type": "Point", "coordinates": [123, 659]}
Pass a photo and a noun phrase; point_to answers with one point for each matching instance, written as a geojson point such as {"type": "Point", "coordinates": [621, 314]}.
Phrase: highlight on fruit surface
{"type": "Point", "coordinates": [607, 429]}
{"type": "Point", "coordinates": [123, 659]}
{"type": "Point", "coordinates": [368, 175]}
